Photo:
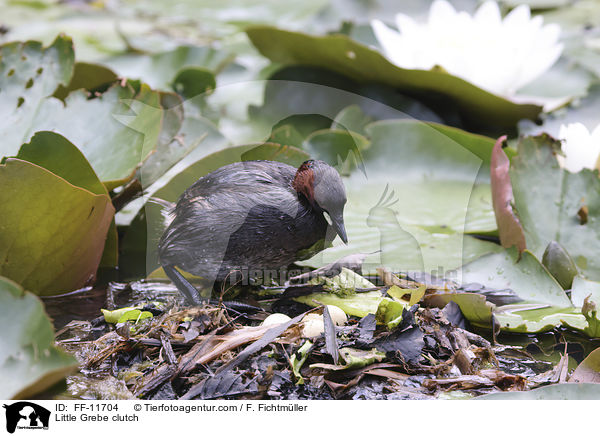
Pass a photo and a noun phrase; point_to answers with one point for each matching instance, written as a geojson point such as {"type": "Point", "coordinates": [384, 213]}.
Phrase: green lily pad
{"type": "Point", "coordinates": [91, 77]}
{"type": "Point", "coordinates": [527, 278]}
{"type": "Point", "coordinates": [160, 69]}
{"type": "Point", "coordinates": [332, 144]}
{"type": "Point", "coordinates": [585, 112]}
{"type": "Point", "coordinates": [345, 56]}
{"type": "Point", "coordinates": [583, 288]}
{"type": "Point", "coordinates": [29, 361]}
{"type": "Point", "coordinates": [53, 233]}
{"type": "Point", "coordinates": [344, 283]}
{"type": "Point", "coordinates": [29, 75]}
{"type": "Point", "coordinates": [115, 131]}
{"type": "Point", "coordinates": [360, 304]}
{"type": "Point", "coordinates": [125, 314]}
{"type": "Point", "coordinates": [588, 371]}
{"type": "Point", "coordinates": [548, 199]}
{"type": "Point", "coordinates": [539, 320]}
{"type": "Point", "coordinates": [418, 194]}
{"type": "Point", "coordinates": [474, 307]}
{"type": "Point", "coordinates": [563, 391]}
{"type": "Point", "coordinates": [56, 154]}
{"type": "Point", "coordinates": [389, 312]}
{"type": "Point", "coordinates": [193, 81]}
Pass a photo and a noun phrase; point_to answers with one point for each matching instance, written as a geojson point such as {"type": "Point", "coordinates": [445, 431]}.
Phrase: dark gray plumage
{"type": "Point", "coordinates": [255, 215]}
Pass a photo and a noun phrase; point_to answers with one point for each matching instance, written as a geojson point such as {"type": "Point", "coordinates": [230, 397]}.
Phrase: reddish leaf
{"type": "Point", "coordinates": [509, 226]}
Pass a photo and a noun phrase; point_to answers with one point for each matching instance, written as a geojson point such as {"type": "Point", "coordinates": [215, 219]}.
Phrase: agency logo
{"type": "Point", "coordinates": [27, 416]}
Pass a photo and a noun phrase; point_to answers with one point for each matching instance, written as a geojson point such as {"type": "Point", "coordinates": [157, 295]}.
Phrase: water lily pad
{"type": "Point", "coordinates": [419, 193]}
{"type": "Point", "coordinates": [193, 81]}
{"type": "Point", "coordinates": [345, 56]}
{"type": "Point", "coordinates": [539, 320]}
{"type": "Point", "coordinates": [91, 77]}
{"type": "Point", "coordinates": [563, 391]}
{"type": "Point", "coordinates": [29, 361]}
{"type": "Point", "coordinates": [360, 304]}
{"type": "Point", "coordinates": [588, 371]}
{"type": "Point", "coordinates": [509, 227]}
{"type": "Point", "coordinates": [56, 154]}
{"type": "Point", "coordinates": [527, 278]}
{"type": "Point", "coordinates": [29, 74]}
{"type": "Point", "coordinates": [159, 69]}
{"type": "Point", "coordinates": [115, 131]}
{"type": "Point", "coordinates": [53, 233]}
{"type": "Point", "coordinates": [548, 199]}
{"type": "Point", "coordinates": [583, 288]}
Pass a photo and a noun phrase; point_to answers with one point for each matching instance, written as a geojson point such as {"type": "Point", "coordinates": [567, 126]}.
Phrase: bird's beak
{"type": "Point", "coordinates": [337, 222]}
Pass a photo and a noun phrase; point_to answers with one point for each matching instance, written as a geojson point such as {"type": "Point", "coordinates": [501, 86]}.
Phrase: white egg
{"type": "Point", "coordinates": [338, 316]}
{"type": "Point", "coordinates": [276, 318]}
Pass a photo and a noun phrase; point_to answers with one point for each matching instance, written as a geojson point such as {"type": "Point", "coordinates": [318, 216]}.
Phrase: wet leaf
{"type": "Point", "coordinates": [330, 336]}
{"type": "Point", "coordinates": [29, 361]}
{"type": "Point", "coordinates": [53, 233]}
{"type": "Point", "coordinates": [559, 264]}
{"type": "Point", "coordinates": [421, 191]}
{"type": "Point", "coordinates": [360, 304]}
{"type": "Point", "coordinates": [29, 74]}
{"type": "Point", "coordinates": [509, 226]}
{"type": "Point", "coordinates": [345, 56]}
{"type": "Point", "coordinates": [588, 371]}
{"type": "Point", "coordinates": [548, 199]}
{"type": "Point", "coordinates": [297, 360]}
{"type": "Point", "coordinates": [56, 154]}
{"type": "Point", "coordinates": [474, 307]}
{"type": "Point", "coordinates": [91, 77]}
{"type": "Point", "coordinates": [389, 312]}
{"type": "Point", "coordinates": [344, 283]}
{"type": "Point", "coordinates": [527, 278]}
{"type": "Point", "coordinates": [115, 131]}
{"type": "Point", "coordinates": [160, 69]}
{"type": "Point", "coordinates": [582, 289]}
{"type": "Point", "coordinates": [563, 391]}
{"type": "Point", "coordinates": [193, 81]}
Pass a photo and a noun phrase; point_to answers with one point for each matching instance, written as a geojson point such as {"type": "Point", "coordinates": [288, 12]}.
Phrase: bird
{"type": "Point", "coordinates": [249, 218]}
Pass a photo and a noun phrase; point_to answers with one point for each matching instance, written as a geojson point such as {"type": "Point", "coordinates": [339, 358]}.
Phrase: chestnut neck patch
{"type": "Point", "coordinates": [304, 182]}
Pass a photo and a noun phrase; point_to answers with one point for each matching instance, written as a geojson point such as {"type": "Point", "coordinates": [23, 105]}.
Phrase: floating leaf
{"type": "Point", "coordinates": [193, 81]}
{"type": "Point", "coordinates": [56, 154]}
{"type": "Point", "coordinates": [345, 56]}
{"type": "Point", "coordinates": [159, 69]}
{"type": "Point", "coordinates": [509, 227]}
{"type": "Point", "coordinates": [548, 199]}
{"type": "Point", "coordinates": [559, 264]}
{"type": "Point", "coordinates": [29, 74]}
{"type": "Point", "coordinates": [91, 77]}
{"type": "Point", "coordinates": [53, 233]}
{"type": "Point", "coordinates": [389, 312]}
{"type": "Point", "coordinates": [588, 371]}
{"type": "Point", "coordinates": [29, 362]}
{"type": "Point", "coordinates": [419, 193]}
{"type": "Point", "coordinates": [297, 360]}
{"type": "Point", "coordinates": [115, 131]}
{"type": "Point", "coordinates": [527, 278]}
{"type": "Point", "coordinates": [563, 391]}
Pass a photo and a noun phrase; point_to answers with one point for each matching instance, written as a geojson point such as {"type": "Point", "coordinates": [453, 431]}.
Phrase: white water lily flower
{"type": "Point", "coordinates": [498, 55]}
{"type": "Point", "coordinates": [580, 147]}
